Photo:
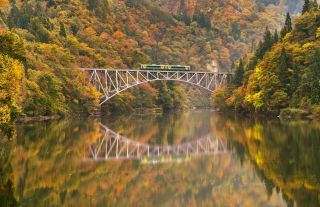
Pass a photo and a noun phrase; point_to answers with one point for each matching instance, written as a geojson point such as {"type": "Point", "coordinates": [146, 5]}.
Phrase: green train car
{"type": "Point", "coordinates": [165, 67]}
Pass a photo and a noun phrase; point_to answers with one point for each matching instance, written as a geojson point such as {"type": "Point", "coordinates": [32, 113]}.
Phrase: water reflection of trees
{"type": "Point", "coordinates": [7, 197]}
{"type": "Point", "coordinates": [45, 157]}
{"type": "Point", "coordinates": [285, 156]}
{"type": "Point", "coordinates": [49, 170]}
{"type": "Point", "coordinates": [46, 166]}
{"type": "Point", "coordinates": [171, 128]}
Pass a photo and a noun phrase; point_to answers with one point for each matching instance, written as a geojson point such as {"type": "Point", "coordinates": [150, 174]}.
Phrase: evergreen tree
{"type": "Point", "coordinates": [315, 5]}
{"type": "Point", "coordinates": [186, 19]}
{"type": "Point", "coordinates": [21, 17]}
{"type": "Point", "coordinates": [38, 11]}
{"type": "Point", "coordinates": [265, 45]}
{"type": "Point", "coordinates": [239, 74]}
{"type": "Point", "coordinates": [306, 6]}
{"type": "Point", "coordinates": [93, 4]}
{"type": "Point", "coordinates": [236, 33]}
{"type": "Point", "coordinates": [100, 8]}
{"type": "Point", "coordinates": [205, 21]}
{"type": "Point", "coordinates": [62, 32]}
{"type": "Point", "coordinates": [164, 100]}
{"type": "Point", "coordinates": [283, 66]}
{"type": "Point", "coordinates": [314, 77]}
{"type": "Point", "coordinates": [287, 26]}
{"type": "Point", "coordinates": [51, 3]}
{"type": "Point", "coordinates": [13, 17]}
{"type": "Point", "coordinates": [268, 41]}
{"type": "Point", "coordinates": [294, 80]}
{"type": "Point", "coordinates": [275, 36]}
{"type": "Point", "coordinates": [12, 45]}
{"type": "Point", "coordinates": [253, 46]}
{"type": "Point", "coordinates": [233, 65]}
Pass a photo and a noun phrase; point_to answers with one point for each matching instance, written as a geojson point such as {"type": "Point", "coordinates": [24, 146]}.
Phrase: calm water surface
{"type": "Point", "coordinates": [244, 162]}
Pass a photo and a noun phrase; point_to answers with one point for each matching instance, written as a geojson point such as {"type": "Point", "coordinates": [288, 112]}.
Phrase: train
{"type": "Point", "coordinates": [165, 67]}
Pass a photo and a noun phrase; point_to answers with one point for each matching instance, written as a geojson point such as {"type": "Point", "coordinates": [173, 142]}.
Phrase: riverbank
{"type": "Point", "coordinates": [297, 113]}
{"type": "Point", "coordinates": [38, 118]}
{"type": "Point", "coordinates": [286, 114]}
{"type": "Point", "coordinates": [24, 119]}
{"type": "Point", "coordinates": [312, 113]}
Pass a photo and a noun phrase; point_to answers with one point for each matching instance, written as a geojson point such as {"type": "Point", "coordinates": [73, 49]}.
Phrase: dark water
{"type": "Point", "coordinates": [238, 162]}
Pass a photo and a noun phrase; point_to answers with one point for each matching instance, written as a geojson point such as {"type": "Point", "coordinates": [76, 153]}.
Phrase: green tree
{"type": "Point", "coordinates": [39, 30]}
{"type": "Point", "coordinates": [239, 74]}
{"type": "Point", "coordinates": [202, 19]}
{"type": "Point", "coordinates": [44, 95]}
{"type": "Point", "coordinates": [287, 26]}
{"type": "Point", "coordinates": [283, 67]}
{"type": "Point", "coordinates": [265, 45]}
{"type": "Point", "coordinates": [264, 91]}
{"type": "Point", "coordinates": [7, 191]}
{"type": "Point", "coordinates": [51, 3]}
{"type": "Point", "coordinates": [306, 6]}
{"type": "Point", "coordinates": [294, 80]}
{"type": "Point", "coordinates": [100, 7]}
{"type": "Point", "coordinates": [315, 5]}
{"type": "Point", "coordinates": [236, 32]}
{"type": "Point", "coordinates": [13, 17]}
{"type": "Point", "coordinates": [62, 31]}
{"type": "Point", "coordinates": [139, 58]}
{"type": "Point", "coordinates": [313, 75]}
{"type": "Point", "coordinates": [275, 36]}
{"type": "Point", "coordinates": [12, 45]}
{"type": "Point", "coordinates": [164, 99]}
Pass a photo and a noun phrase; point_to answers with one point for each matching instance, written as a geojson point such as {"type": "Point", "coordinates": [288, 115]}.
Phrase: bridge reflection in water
{"type": "Point", "coordinates": [112, 146]}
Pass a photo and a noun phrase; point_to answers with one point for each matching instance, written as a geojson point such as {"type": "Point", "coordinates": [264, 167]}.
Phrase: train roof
{"type": "Point", "coordinates": [165, 65]}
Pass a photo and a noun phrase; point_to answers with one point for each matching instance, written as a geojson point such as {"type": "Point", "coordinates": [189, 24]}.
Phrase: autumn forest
{"type": "Point", "coordinates": [268, 112]}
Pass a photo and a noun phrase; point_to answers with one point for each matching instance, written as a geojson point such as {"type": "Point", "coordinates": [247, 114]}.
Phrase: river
{"type": "Point", "coordinates": [195, 158]}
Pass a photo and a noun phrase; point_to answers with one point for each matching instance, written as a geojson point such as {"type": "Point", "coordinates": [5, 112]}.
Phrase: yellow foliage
{"type": "Point", "coordinates": [4, 3]}
{"type": "Point", "coordinates": [11, 73]}
{"type": "Point", "coordinates": [318, 33]}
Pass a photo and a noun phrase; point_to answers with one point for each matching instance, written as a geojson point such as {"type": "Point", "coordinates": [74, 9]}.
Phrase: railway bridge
{"type": "Point", "coordinates": [110, 82]}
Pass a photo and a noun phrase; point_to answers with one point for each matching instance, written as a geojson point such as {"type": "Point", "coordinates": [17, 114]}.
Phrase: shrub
{"type": "Point", "coordinates": [316, 112]}
{"type": "Point", "coordinates": [293, 113]}
{"type": "Point", "coordinates": [219, 97]}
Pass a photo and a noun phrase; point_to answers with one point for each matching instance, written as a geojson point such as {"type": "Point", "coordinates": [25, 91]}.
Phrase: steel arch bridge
{"type": "Point", "coordinates": [112, 146]}
{"type": "Point", "coordinates": [110, 82]}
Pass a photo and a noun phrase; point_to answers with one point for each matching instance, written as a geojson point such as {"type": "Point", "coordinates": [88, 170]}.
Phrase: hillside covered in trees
{"type": "Point", "coordinates": [43, 43]}
{"type": "Point", "coordinates": [284, 71]}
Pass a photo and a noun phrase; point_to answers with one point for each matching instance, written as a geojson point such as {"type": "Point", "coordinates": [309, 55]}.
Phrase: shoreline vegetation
{"type": "Point", "coordinates": [102, 112]}
{"type": "Point", "coordinates": [282, 76]}
{"type": "Point", "coordinates": [298, 114]}
{"type": "Point", "coordinates": [286, 114]}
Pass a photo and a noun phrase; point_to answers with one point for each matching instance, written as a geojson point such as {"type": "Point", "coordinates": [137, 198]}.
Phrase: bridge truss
{"type": "Point", "coordinates": [112, 146]}
{"type": "Point", "coordinates": [110, 82]}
